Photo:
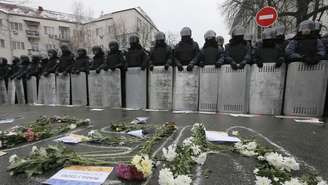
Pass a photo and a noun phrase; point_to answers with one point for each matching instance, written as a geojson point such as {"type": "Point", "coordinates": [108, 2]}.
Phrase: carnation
{"type": "Point", "coordinates": [170, 153]}
{"type": "Point", "coordinates": [235, 133]}
{"type": "Point", "coordinates": [166, 177]}
{"type": "Point", "coordinates": [262, 181]}
{"type": "Point", "coordinates": [72, 126]}
{"type": "Point", "coordinates": [182, 180]}
{"type": "Point", "coordinates": [200, 159]}
{"type": "Point", "coordinates": [143, 164]}
{"type": "Point", "coordinates": [187, 141]}
{"type": "Point", "coordinates": [196, 150]}
{"type": "Point", "coordinates": [13, 158]}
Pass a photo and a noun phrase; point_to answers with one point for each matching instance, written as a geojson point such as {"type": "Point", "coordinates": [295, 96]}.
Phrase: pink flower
{"type": "Point", "coordinates": [128, 173]}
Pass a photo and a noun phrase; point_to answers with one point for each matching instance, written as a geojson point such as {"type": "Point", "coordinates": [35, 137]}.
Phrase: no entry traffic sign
{"type": "Point", "coordinates": [266, 16]}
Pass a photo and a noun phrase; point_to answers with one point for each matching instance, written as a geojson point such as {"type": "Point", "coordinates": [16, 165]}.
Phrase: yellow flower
{"type": "Point", "coordinates": [143, 164]}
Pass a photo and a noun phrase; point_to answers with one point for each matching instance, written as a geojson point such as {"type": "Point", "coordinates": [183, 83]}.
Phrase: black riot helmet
{"type": "Point", "coordinates": [65, 49]}
{"type": "Point", "coordinates": [25, 60]}
{"type": "Point", "coordinates": [81, 52]}
{"type": "Point", "coordinates": [220, 40]}
{"type": "Point", "coordinates": [97, 50]}
{"type": "Point", "coordinates": [16, 61]}
{"type": "Point", "coordinates": [113, 46]}
{"type": "Point", "coordinates": [306, 27]}
{"type": "Point", "coordinates": [52, 53]}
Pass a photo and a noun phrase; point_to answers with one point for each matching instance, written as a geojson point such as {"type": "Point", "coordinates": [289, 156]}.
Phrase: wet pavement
{"type": "Point", "coordinates": [307, 142]}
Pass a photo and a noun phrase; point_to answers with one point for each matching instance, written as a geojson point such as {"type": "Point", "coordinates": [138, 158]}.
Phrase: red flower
{"type": "Point", "coordinates": [128, 172]}
{"type": "Point", "coordinates": [30, 135]}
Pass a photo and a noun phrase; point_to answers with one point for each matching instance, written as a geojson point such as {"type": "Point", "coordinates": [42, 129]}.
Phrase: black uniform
{"type": "Point", "coordinates": [81, 63]}
{"type": "Point", "coordinates": [22, 69]}
{"type": "Point", "coordinates": [4, 69]}
{"type": "Point", "coordinates": [34, 69]}
{"type": "Point", "coordinates": [136, 56]}
{"type": "Point", "coordinates": [237, 52]}
{"type": "Point", "coordinates": [115, 58]}
{"type": "Point", "coordinates": [269, 52]}
{"type": "Point", "coordinates": [186, 52]}
{"type": "Point", "coordinates": [13, 68]}
{"type": "Point", "coordinates": [160, 55]}
{"type": "Point", "coordinates": [66, 61]}
{"type": "Point", "coordinates": [98, 59]}
{"type": "Point", "coordinates": [50, 65]}
{"type": "Point", "coordinates": [211, 54]}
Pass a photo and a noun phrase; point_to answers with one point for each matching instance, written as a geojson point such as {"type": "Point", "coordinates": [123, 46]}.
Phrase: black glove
{"type": "Point", "coordinates": [259, 64]}
{"type": "Point", "coordinates": [143, 68]}
{"type": "Point", "coordinates": [180, 68]}
{"type": "Point", "coordinates": [218, 65]}
{"type": "Point", "coordinates": [190, 67]}
{"type": "Point", "coordinates": [201, 64]}
{"type": "Point", "coordinates": [113, 68]}
{"type": "Point", "coordinates": [316, 59]}
{"type": "Point", "coordinates": [242, 64]}
{"type": "Point", "coordinates": [234, 66]}
{"type": "Point", "coordinates": [46, 74]}
{"type": "Point", "coordinates": [151, 67]}
{"type": "Point", "coordinates": [308, 60]}
{"type": "Point", "coordinates": [166, 67]}
{"type": "Point", "coordinates": [280, 61]}
{"type": "Point", "coordinates": [98, 71]}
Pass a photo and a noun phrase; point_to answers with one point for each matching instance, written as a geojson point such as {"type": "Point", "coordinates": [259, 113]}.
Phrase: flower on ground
{"type": "Point", "coordinates": [247, 149]}
{"type": "Point", "coordinates": [262, 181]}
{"type": "Point", "coordinates": [170, 153]}
{"type": "Point", "coordinates": [321, 181]}
{"type": "Point", "coordinates": [196, 150]}
{"type": "Point", "coordinates": [294, 181]}
{"type": "Point", "coordinates": [166, 177]}
{"type": "Point", "coordinates": [35, 150]}
{"type": "Point", "coordinates": [143, 164]}
{"type": "Point", "coordinates": [280, 162]}
{"type": "Point", "coordinates": [187, 141]}
{"type": "Point", "coordinates": [13, 158]}
{"type": "Point", "coordinates": [235, 133]}
{"type": "Point", "coordinates": [200, 159]}
{"type": "Point", "coordinates": [91, 133]}
{"type": "Point", "coordinates": [256, 170]}
{"type": "Point", "coordinates": [182, 180]}
{"type": "Point", "coordinates": [72, 126]}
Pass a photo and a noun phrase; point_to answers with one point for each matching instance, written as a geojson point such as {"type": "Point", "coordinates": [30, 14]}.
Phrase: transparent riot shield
{"type": "Point", "coordinates": [306, 87]}
{"type": "Point", "coordinates": [79, 89]}
{"type": "Point", "coordinates": [47, 90]}
{"type": "Point", "coordinates": [208, 89]}
{"type": "Point", "coordinates": [160, 88]}
{"type": "Point", "coordinates": [96, 89]}
{"type": "Point", "coordinates": [136, 87]}
{"type": "Point", "coordinates": [63, 89]}
{"type": "Point", "coordinates": [3, 92]}
{"type": "Point", "coordinates": [267, 89]}
{"type": "Point", "coordinates": [31, 90]}
{"type": "Point", "coordinates": [20, 94]}
{"type": "Point", "coordinates": [233, 90]}
{"type": "Point", "coordinates": [112, 88]}
{"type": "Point", "coordinates": [186, 90]}
{"type": "Point", "coordinates": [11, 91]}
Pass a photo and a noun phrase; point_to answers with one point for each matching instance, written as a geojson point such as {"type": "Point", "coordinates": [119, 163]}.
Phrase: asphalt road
{"type": "Point", "coordinates": [307, 142]}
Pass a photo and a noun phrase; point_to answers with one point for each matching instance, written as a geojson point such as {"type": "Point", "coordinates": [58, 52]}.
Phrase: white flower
{"type": "Point", "coordinates": [256, 170]}
{"type": "Point", "coordinates": [72, 126]}
{"type": "Point", "coordinates": [239, 146]}
{"type": "Point", "coordinates": [87, 120]}
{"type": "Point", "coordinates": [170, 153]}
{"type": "Point", "coordinates": [143, 164]}
{"type": "Point", "coordinates": [200, 159]}
{"type": "Point", "coordinates": [182, 180]}
{"type": "Point", "coordinates": [262, 181]}
{"type": "Point", "coordinates": [260, 158]}
{"type": "Point", "coordinates": [276, 179]}
{"type": "Point", "coordinates": [235, 133]}
{"type": "Point", "coordinates": [166, 177]}
{"type": "Point", "coordinates": [91, 133]}
{"type": "Point", "coordinates": [196, 150]}
{"type": "Point", "coordinates": [280, 162]}
{"type": "Point", "coordinates": [248, 153]}
{"type": "Point", "coordinates": [251, 146]}
{"type": "Point", "coordinates": [322, 182]}
{"type": "Point", "coordinates": [187, 141]}
{"type": "Point", "coordinates": [13, 158]}
{"type": "Point", "coordinates": [294, 181]}
{"type": "Point", "coordinates": [35, 150]}
{"type": "Point", "coordinates": [291, 164]}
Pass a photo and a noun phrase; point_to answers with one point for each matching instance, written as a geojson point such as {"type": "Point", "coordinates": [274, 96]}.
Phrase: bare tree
{"type": "Point", "coordinates": [290, 11]}
{"type": "Point", "coordinates": [145, 34]}
{"type": "Point", "coordinates": [120, 33]}
{"type": "Point", "coordinates": [172, 38]}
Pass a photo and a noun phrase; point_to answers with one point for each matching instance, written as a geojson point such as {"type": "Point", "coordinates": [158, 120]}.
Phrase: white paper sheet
{"type": "Point", "coordinates": [136, 133]}
{"type": "Point", "coordinates": [7, 120]}
{"type": "Point", "coordinates": [140, 120]}
{"type": "Point", "coordinates": [97, 110]}
{"type": "Point", "coordinates": [72, 139]}
{"type": "Point", "coordinates": [308, 121]}
{"type": "Point", "coordinates": [215, 136]}
{"type": "Point", "coordinates": [2, 153]}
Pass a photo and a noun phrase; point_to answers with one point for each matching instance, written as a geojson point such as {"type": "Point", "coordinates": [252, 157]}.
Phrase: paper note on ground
{"type": "Point", "coordinates": [7, 120]}
{"type": "Point", "coordinates": [80, 175]}
{"type": "Point", "coordinates": [137, 133]}
{"type": "Point", "coordinates": [97, 109]}
{"type": "Point", "coordinates": [72, 138]}
{"type": "Point", "coordinates": [2, 153]}
{"type": "Point", "coordinates": [216, 136]}
{"type": "Point", "coordinates": [140, 120]}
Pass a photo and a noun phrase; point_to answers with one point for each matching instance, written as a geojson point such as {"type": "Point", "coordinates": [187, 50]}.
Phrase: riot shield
{"type": "Point", "coordinates": [63, 89]}
{"type": "Point", "coordinates": [233, 89]}
{"type": "Point", "coordinates": [208, 89]}
{"type": "Point", "coordinates": [112, 88]}
{"type": "Point", "coordinates": [47, 90]}
{"type": "Point", "coordinates": [3, 92]}
{"type": "Point", "coordinates": [20, 94]}
{"type": "Point", "coordinates": [96, 87]}
{"type": "Point", "coordinates": [136, 87]}
{"type": "Point", "coordinates": [11, 91]}
{"type": "Point", "coordinates": [267, 89]}
{"type": "Point", "coordinates": [306, 87]}
{"type": "Point", "coordinates": [79, 89]}
{"type": "Point", "coordinates": [160, 88]}
{"type": "Point", "coordinates": [31, 90]}
{"type": "Point", "coordinates": [186, 90]}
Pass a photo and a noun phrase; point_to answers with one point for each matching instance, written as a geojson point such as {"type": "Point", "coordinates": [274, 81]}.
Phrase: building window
{"type": "Point", "coordinates": [2, 43]}
{"type": "Point", "coordinates": [99, 32]}
{"type": "Point", "coordinates": [64, 33]}
{"type": "Point", "coordinates": [1, 24]}
{"type": "Point", "coordinates": [16, 26]}
{"type": "Point", "coordinates": [48, 30]}
{"type": "Point", "coordinates": [35, 46]}
{"type": "Point", "coordinates": [50, 46]}
{"type": "Point", "coordinates": [18, 45]}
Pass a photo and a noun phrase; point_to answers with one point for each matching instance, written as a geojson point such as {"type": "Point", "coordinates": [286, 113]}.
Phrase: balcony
{"type": "Point", "coordinates": [32, 34]}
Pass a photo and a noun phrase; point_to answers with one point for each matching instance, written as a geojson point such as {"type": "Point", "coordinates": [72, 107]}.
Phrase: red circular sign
{"type": "Point", "coordinates": [266, 16]}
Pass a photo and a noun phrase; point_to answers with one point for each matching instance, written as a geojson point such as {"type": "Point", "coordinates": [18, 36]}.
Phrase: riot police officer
{"type": "Point", "coordinates": [238, 51]}
{"type": "Point", "coordinates": [98, 58]}
{"type": "Point", "coordinates": [186, 51]}
{"type": "Point", "coordinates": [210, 54]}
{"type": "Point", "coordinates": [4, 69]}
{"type": "Point", "coordinates": [22, 71]}
{"type": "Point", "coordinates": [306, 47]}
{"type": "Point", "coordinates": [136, 55]}
{"type": "Point", "coordinates": [160, 53]}
{"type": "Point", "coordinates": [34, 67]}
{"type": "Point", "coordinates": [51, 63]}
{"type": "Point", "coordinates": [66, 60]}
{"type": "Point", "coordinates": [14, 68]}
{"type": "Point", "coordinates": [317, 29]}
{"type": "Point", "coordinates": [268, 51]}
{"type": "Point", "coordinates": [81, 63]}
{"type": "Point", "coordinates": [280, 38]}
{"type": "Point", "coordinates": [115, 58]}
